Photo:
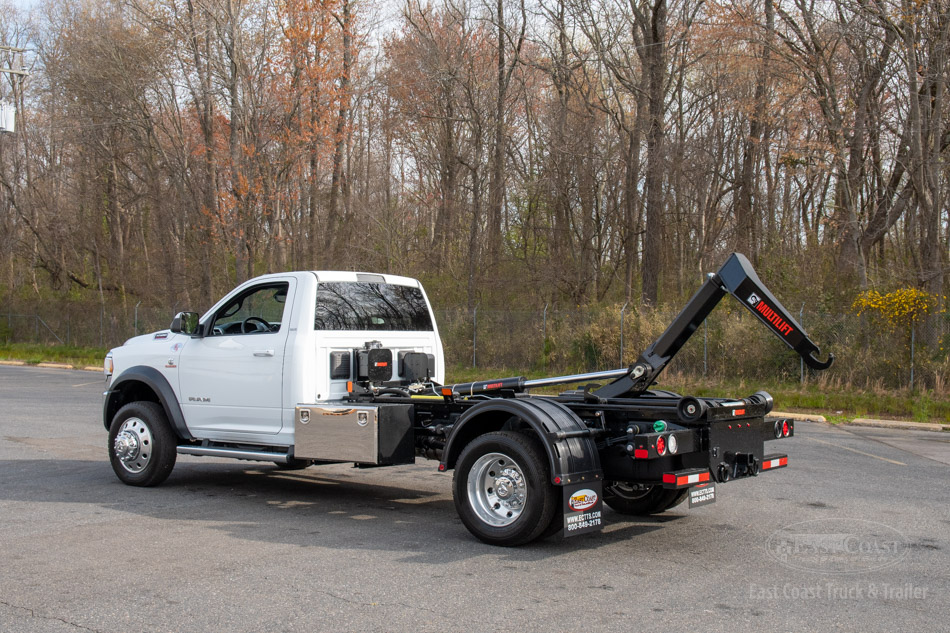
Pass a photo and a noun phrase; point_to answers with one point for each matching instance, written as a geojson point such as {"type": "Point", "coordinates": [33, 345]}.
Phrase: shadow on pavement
{"type": "Point", "coordinates": [305, 508]}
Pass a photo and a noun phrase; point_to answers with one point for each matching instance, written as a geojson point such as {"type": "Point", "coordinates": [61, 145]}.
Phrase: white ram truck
{"type": "Point", "coordinates": [305, 368]}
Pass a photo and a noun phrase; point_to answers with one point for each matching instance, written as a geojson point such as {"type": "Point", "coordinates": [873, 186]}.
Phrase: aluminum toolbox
{"type": "Point", "coordinates": [365, 434]}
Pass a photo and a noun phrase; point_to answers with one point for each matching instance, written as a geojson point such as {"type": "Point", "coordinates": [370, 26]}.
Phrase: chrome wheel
{"type": "Point", "coordinates": [133, 445]}
{"type": "Point", "coordinates": [502, 488]}
{"type": "Point", "coordinates": [497, 490]}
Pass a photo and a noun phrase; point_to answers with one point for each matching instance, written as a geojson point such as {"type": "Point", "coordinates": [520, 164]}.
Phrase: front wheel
{"type": "Point", "coordinates": [142, 446]}
{"type": "Point", "coordinates": [502, 490]}
{"type": "Point", "coordinates": [629, 499]}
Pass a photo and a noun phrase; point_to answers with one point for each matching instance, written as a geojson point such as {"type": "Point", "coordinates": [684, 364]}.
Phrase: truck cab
{"type": "Point", "coordinates": [238, 372]}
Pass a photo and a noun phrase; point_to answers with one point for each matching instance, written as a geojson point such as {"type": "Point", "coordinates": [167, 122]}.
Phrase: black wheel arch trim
{"type": "Point", "coordinates": [158, 384]}
{"type": "Point", "coordinates": [572, 459]}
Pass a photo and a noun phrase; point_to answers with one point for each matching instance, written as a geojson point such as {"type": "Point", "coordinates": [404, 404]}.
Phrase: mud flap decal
{"type": "Point", "coordinates": [583, 508]}
{"type": "Point", "coordinates": [702, 495]}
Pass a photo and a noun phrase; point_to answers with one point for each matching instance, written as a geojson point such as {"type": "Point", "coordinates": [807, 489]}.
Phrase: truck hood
{"type": "Point", "coordinates": [160, 336]}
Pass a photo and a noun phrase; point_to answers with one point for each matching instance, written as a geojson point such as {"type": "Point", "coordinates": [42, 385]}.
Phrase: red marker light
{"type": "Point", "coordinates": [557, 480]}
{"type": "Point", "coordinates": [442, 467]}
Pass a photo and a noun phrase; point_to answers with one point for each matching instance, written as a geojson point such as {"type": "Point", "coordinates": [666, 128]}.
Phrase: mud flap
{"type": "Point", "coordinates": [702, 495]}
{"type": "Point", "coordinates": [583, 508]}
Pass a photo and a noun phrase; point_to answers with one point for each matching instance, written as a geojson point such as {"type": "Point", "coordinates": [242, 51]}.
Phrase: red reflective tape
{"type": "Point", "coordinates": [783, 461]}
{"type": "Point", "coordinates": [493, 385]}
{"type": "Point", "coordinates": [685, 480]}
{"type": "Point", "coordinates": [641, 453]}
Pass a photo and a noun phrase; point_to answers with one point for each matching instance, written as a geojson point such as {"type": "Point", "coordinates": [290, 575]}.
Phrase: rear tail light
{"type": "Point", "coordinates": [661, 446]}
{"type": "Point", "coordinates": [786, 428]}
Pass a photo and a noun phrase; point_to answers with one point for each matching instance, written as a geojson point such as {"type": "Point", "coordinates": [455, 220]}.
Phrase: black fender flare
{"type": "Point", "coordinates": [572, 459]}
{"type": "Point", "coordinates": [154, 381]}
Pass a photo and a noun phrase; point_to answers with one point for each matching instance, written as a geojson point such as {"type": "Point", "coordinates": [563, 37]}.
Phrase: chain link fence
{"type": "Point", "coordinates": [80, 325]}
{"type": "Point", "coordinates": [731, 343]}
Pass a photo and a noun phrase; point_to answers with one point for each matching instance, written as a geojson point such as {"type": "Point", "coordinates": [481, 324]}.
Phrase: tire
{"type": "Point", "coordinates": [556, 526]}
{"type": "Point", "coordinates": [502, 490]}
{"type": "Point", "coordinates": [655, 499]}
{"type": "Point", "coordinates": [142, 446]}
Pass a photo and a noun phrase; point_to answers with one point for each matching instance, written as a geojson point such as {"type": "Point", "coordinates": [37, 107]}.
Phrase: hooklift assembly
{"type": "Point", "coordinates": [640, 450]}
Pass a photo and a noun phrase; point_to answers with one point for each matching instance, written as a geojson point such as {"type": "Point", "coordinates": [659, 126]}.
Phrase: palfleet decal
{"type": "Point", "coordinates": [582, 500]}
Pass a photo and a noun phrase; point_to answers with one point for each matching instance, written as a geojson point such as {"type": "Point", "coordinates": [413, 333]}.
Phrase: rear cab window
{"type": "Point", "coordinates": [360, 305]}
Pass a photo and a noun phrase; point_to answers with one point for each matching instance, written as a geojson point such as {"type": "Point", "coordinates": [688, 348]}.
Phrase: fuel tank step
{"type": "Point", "coordinates": [215, 451]}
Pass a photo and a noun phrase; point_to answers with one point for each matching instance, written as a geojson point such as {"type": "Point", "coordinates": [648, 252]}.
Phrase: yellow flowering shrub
{"type": "Point", "coordinates": [898, 308]}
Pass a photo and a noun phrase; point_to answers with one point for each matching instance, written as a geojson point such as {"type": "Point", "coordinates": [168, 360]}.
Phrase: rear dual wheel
{"type": "Point", "coordinates": [632, 500]}
{"type": "Point", "coordinates": [502, 489]}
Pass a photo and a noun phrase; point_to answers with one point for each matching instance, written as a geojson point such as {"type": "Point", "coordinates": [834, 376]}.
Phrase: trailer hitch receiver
{"type": "Point", "coordinates": [737, 465]}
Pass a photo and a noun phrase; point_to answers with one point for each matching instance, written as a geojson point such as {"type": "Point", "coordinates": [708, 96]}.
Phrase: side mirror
{"type": "Point", "coordinates": [185, 323]}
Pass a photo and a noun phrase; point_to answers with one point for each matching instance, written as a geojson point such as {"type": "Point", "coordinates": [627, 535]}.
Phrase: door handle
{"type": "Point", "coordinates": [264, 352]}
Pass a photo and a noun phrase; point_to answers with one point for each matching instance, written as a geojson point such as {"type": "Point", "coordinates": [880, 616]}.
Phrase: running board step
{"type": "Point", "coordinates": [215, 451]}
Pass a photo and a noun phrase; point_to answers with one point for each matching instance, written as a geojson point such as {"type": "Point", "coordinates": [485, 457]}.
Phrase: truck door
{"type": "Point", "coordinates": [231, 379]}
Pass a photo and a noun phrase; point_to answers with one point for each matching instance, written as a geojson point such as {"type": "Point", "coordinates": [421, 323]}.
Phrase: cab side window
{"type": "Point", "coordinates": [257, 310]}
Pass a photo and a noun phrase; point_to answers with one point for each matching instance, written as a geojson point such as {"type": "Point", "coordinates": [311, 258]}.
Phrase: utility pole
{"type": "Point", "coordinates": [17, 72]}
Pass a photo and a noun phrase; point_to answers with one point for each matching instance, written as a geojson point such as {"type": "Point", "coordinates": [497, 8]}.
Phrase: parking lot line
{"type": "Point", "coordinates": [854, 450]}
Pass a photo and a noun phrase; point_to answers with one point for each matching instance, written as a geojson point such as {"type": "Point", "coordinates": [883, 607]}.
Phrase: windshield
{"type": "Point", "coordinates": [371, 306]}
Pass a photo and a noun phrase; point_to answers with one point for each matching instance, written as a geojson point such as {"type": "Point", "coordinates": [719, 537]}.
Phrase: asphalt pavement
{"type": "Point", "coordinates": [853, 536]}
